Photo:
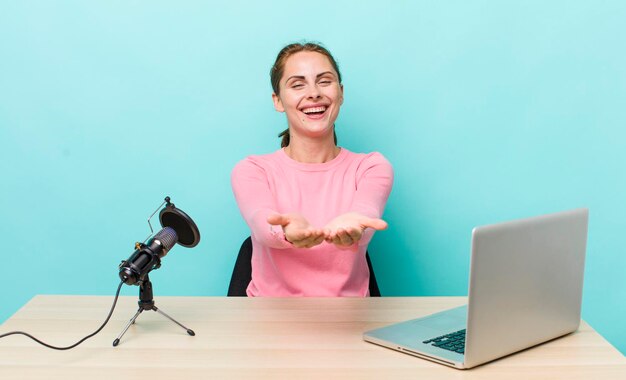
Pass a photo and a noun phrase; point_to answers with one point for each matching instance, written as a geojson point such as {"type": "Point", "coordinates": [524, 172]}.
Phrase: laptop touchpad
{"type": "Point", "coordinates": [446, 320]}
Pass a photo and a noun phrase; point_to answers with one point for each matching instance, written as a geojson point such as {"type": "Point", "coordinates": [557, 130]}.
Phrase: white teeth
{"type": "Point", "coordinates": [314, 109]}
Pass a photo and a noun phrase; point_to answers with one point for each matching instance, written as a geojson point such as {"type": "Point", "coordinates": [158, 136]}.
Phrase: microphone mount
{"type": "Point", "coordinates": [165, 202]}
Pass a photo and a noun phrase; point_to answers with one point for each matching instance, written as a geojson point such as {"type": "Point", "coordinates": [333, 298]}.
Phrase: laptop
{"type": "Point", "coordinates": [525, 288]}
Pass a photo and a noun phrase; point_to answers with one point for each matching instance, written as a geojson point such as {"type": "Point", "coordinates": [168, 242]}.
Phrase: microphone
{"type": "Point", "coordinates": [178, 227]}
{"type": "Point", "coordinates": [147, 256]}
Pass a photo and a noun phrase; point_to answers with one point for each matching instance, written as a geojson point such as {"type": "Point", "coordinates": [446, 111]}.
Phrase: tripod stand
{"type": "Point", "coordinates": [146, 302]}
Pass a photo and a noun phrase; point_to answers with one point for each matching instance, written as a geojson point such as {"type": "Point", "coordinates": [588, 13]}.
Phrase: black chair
{"type": "Point", "coordinates": [242, 273]}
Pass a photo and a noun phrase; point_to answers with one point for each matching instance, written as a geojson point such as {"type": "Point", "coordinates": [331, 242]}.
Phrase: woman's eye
{"type": "Point", "coordinates": [297, 85]}
{"type": "Point", "coordinates": [326, 82]}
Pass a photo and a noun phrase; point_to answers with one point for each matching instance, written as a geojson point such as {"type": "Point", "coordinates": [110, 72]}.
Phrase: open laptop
{"type": "Point", "coordinates": [525, 288]}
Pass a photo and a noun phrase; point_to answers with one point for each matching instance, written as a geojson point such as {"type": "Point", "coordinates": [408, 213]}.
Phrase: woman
{"type": "Point", "coordinates": [312, 206]}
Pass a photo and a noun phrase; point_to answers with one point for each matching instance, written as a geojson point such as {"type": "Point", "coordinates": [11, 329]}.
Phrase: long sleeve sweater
{"type": "Point", "coordinates": [275, 183]}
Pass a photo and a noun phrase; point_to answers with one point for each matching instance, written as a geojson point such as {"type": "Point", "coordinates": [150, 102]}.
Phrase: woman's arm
{"type": "Point", "coordinates": [255, 201]}
{"type": "Point", "coordinates": [257, 206]}
{"type": "Point", "coordinates": [374, 183]}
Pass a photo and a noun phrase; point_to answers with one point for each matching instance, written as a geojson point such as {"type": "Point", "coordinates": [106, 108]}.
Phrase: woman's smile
{"type": "Point", "coordinates": [315, 112]}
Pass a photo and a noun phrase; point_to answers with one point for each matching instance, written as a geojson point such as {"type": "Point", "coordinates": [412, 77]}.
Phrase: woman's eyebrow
{"type": "Point", "coordinates": [324, 73]}
{"type": "Point", "coordinates": [301, 77]}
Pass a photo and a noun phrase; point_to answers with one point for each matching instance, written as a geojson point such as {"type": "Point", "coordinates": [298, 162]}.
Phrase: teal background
{"type": "Point", "coordinates": [488, 111]}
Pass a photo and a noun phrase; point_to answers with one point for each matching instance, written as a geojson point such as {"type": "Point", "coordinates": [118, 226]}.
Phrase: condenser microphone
{"type": "Point", "coordinates": [178, 227]}
{"type": "Point", "coordinates": [147, 256]}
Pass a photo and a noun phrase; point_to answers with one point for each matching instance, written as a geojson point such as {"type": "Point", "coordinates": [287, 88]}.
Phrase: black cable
{"type": "Point", "coordinates": [117, 294]}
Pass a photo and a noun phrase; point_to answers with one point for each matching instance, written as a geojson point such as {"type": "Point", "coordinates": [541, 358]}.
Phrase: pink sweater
{"type": "Point", "coordinates": [351, 182]}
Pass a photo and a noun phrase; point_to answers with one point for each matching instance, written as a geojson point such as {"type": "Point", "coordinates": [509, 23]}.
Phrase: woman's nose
{"type": "Point", "coordinates": [314, 92]}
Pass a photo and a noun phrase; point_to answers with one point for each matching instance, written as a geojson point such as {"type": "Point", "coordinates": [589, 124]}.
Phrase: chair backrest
{"type": "Point", "coordinates": [242, 272]}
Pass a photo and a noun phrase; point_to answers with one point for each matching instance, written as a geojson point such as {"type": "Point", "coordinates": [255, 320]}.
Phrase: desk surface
{"type": "Point", "coordinates": [299, 338]}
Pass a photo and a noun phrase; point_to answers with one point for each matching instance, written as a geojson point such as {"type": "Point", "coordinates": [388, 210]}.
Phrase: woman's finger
{"type": "Point", "coordinates": [344, 237]}
{"type": "Point", "coordinates": [278, 219]}
{"type": "Point", "coordinates": [375, 223]}
{"type": "Point", "coordinates": [355, 234]}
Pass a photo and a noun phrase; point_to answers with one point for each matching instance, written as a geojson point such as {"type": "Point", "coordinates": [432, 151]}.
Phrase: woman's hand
{"type": "Point", "coordinates": [297, 230]}
{"type": "Point", "coordinates": [347, 229]}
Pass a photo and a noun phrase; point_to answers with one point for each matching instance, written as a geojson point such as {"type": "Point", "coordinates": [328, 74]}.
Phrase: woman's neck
{"type": "Point", "coordinates": [312, 151]}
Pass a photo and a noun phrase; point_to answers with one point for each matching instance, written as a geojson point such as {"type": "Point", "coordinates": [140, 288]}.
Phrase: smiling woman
{"type": "Point", "coordinates": [312, 207]}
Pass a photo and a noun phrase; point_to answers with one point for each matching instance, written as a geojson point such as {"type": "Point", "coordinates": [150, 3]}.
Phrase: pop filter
{"type": "Point", "coordinates": [176, 219]}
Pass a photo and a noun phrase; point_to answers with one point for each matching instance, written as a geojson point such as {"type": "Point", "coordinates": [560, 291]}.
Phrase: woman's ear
{"type": "Point", "coordinates": [278, 104]}
{"type": "Point", "coordinates": [341, 87]}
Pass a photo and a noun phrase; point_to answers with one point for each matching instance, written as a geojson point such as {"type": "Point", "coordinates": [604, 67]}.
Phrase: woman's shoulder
{"type": "Point", "coordinates": [257, 161]}
{"type": "Point", "coordinates": [371, 165]}
{"type": "Point", "coordinates": [368, 159]}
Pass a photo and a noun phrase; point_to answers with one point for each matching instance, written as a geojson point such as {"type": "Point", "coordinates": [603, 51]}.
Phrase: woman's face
{"type": "Point", "coordinates": [310, 94]}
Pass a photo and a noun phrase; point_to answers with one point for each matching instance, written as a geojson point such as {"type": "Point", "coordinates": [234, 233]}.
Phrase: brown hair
{"type": "Point", "coordinates": [276, 73]}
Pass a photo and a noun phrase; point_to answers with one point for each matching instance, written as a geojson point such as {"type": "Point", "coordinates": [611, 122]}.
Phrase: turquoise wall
{"type": "Point", "coordinates": [488, 111]}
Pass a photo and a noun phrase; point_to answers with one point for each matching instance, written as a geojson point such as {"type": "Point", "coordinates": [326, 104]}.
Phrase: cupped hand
{"type": "Point", "coordinates": [297, 230]}
{"type": "Point", "coordinates": [347, 229]}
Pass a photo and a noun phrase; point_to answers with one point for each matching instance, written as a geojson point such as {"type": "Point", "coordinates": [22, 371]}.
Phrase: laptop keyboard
{"type": "Point", "coordinates": [453, 342]}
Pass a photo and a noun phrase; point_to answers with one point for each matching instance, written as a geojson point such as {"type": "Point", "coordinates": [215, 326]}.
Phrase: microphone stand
{"type": "Point", "coordinates": [146, 302]}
